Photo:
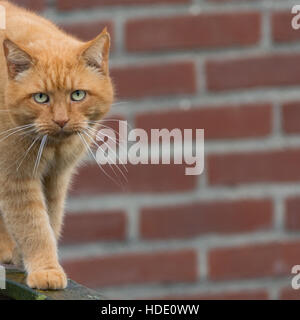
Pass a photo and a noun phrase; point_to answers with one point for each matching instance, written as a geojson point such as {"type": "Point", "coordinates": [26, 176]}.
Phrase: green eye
{"type": "Point", "coordinates": [78, 95]}
{"type": "Point", "coordinates": [41, 98]}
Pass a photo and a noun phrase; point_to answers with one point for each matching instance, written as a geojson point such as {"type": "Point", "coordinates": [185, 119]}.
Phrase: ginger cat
{"type": "Point", "coordinates": [53, 91]}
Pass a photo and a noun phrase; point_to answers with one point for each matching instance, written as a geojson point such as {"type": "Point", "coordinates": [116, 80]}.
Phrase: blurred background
{"type": "Point", "coordinates": [231, 67]}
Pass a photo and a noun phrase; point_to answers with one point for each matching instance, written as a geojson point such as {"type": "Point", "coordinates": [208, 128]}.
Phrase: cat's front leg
{"type": "Point", "coordinates": [55, 187]}
{"type": "Point", "coordinates": [24, 211]}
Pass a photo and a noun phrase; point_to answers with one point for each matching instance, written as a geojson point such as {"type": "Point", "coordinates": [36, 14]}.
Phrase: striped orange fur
{"type": "Point", "coordinates": [43, 69]}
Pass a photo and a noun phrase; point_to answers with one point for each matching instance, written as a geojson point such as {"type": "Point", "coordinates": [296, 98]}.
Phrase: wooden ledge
{"type": "Point", "coordinates": [16, 289]}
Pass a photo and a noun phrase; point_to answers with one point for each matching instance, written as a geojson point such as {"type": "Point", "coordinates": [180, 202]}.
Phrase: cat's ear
{"type": "Point", "coordinates": [96, 52]}
{"type": "Point", "coordinates": [17, 59]}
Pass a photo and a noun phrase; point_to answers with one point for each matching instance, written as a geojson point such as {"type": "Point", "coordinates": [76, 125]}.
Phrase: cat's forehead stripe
{"type": "Point", "coordinates": [59, 79]}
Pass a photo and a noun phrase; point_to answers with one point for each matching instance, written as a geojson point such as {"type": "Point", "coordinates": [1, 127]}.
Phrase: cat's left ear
{"type": "Point", "coordinates": [17, 59]}
{"type": "Point", "coordinates": [96, 52]}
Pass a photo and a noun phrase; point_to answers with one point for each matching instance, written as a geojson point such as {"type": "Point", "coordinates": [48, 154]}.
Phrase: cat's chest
{"type": "Point", "coordinates": [64, 155]}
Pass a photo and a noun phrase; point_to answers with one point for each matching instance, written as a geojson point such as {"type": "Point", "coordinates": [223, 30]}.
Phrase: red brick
{"type": "Point", "coordinates": [36, 5]}
{"type": "Point", "coordinates": [88, 30]}
{"type": "Point", "coordinates": [202, 218]}
{"type": "Point", "coordinates": [272, 166]}
{"type": "Point", "coordinates": [252, 72]}
{"type": "Point", "coordinates": [252, 261]}
{"type": "Point", "coordinates": [77, 4]}
{"type": "Point", "coordinates": [259, 294]}
{"type": "Point", "coordinates": [290, 117]}
{"type": "Point", "coordinates": [89, 227]}
{"type": "Point", "coordinates": [289, 294]}
{"type": "Point", "coordinates": [219, 122]}
{"type": "Point", "coordinates": [155, 80]}
{"type": "Point", "coordinates": [292, 214]}
{"type": "Point", "coordinates": [188, 32]}
{"type": "Point", "coordinates": [282, 30]}
{"type": "Point", "coordinates": [141, 178]}
{"type": "Point", "coordinates": [132, 268]}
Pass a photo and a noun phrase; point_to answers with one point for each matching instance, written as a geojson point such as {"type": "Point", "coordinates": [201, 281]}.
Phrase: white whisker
{"type": "Point", "coordinates": [110, 120]}
{"type": "Point", "coordinates": [92, 154]}
{"type": "Point", "coordinates": [91, 138]}
{"type": "Point", "coordinates": [113, 140]}
{"type": "Point", "coordinates": [16, 128]}
{"type": "Point", "coordinates": [39, 155]}
{"type": "Point", "coordinates": [14, 132]}
{"type": "Point", "coordinates": [106, 127]}
{"type": "Point", "coordinates": [119, 103]}
{"type": "Point", "coordinates": [96, 144]}
{"type": "Point", "coordinates": [27, 152]}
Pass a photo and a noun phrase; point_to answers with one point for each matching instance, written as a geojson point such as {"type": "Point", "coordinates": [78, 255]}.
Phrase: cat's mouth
{"type": "Point", "coordinates": [62, 134]}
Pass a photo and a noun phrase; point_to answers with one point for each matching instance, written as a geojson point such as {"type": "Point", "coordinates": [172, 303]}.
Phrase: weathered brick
{"type": "Point", "coordinates": [282, 30]}
{"type": "Point", "coordinates": [131, 268]}
{"type": "Point", "coordinates": [290, 117]}
{"type": "Point", "coordinates": [88, 30]}
{"type": "Point", "coordinates": [188, 32]}
{"type": "Point", "coordinates": [222, 122]}
{"type": "Point", "coordinates": [292, 213]}
{"type": "Point", "coordinates": [253, 167]}
{"type": "Point", "coordinates": [36, 5]}
{"type": "Point", "coordinates": [155, 80]}
{"type": "Point", "coordinates": [91, 226]}
{"type": "Point", "coordinates": [259, 71]}
{"type": "Point", "coordinates": [77, 4]}
{"type": "Point", "coordinates": [253, 261]}
{"type": "Point", "coordinates": [202, 218]}
{"type": "Point", "coordinates": [289, 294]}
{"type": "Point", "coordinates": [141, 178]}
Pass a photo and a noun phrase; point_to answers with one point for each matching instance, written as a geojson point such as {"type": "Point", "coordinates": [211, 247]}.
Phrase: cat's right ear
{"type": "Point", "coordinates": [96, 52]}
{"type": "Point", "coordinates": [17, 59]}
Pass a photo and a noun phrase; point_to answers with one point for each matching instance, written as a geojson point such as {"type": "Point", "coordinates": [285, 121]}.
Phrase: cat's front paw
{"type": "Point", "coordinates": [49, 279]}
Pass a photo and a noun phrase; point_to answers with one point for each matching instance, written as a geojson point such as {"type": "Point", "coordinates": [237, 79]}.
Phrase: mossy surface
{"type": "Point", "coordinates": [16, 289]}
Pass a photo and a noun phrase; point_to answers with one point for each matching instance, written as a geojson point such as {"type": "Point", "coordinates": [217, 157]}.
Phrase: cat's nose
{"type": "Point", "coordinates": [62, 122]}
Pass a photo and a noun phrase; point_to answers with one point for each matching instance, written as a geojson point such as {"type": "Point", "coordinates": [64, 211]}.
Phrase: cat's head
{"type": "Point", "coordinates": [60, 87]}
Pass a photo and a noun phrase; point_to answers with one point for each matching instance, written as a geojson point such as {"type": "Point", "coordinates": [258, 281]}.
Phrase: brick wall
{"type": "Point", "coordinates": [232, 68]}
